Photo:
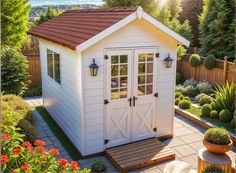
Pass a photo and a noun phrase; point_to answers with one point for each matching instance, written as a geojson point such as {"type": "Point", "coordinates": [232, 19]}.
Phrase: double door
{"type": "Point", "coordinates": [131, 95]}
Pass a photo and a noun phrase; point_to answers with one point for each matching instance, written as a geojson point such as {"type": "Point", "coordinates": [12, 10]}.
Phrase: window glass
{"type": "Point", "coordinates": [53, 65]}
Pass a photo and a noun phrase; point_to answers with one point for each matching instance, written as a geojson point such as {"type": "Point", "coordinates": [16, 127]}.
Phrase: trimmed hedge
{"type": "Point", "coordinates": [210, 62]}
{"type": "Point", "coordinates": [225, 115]}
{"type": "Point", "coordinates": [206, 110]}
{"type": "Point", "coordinates": [195, 60]}
{"type": "Point", "coordinates": [184, 104]}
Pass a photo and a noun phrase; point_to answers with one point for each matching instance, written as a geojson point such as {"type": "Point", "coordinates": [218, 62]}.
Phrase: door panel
{"type": "Point", "coordinates": [118, 91]}
{"type": "Point", "coordinates": [144, 88]}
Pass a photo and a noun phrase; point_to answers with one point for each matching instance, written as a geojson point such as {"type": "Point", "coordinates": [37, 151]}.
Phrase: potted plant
{"type": "Point", "coordinates": [217, 140]}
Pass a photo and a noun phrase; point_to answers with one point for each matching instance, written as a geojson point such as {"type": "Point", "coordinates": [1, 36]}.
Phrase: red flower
{"type": "Point", "coordinates": [27, 144]}
{"type": "Point", "coordinates": [74, 165]}
{"type": "Point", "coordinates": [54, 151]}
{"type": "Point", "coordinates": [16, 150]}
{"type": "Point", "coordinates": [5, 137]}
{"type": "Point", "coordinates": [62, 161]}
{"type": "Point", "coordinates": [24, 167]}
{"type": "Point", "coordinates": [31, 151]}
{"type": "Point", "coordinates": [39, 143]}
{"type": "Point", "coordinates": [42, 149]}
{"type": "Point", "coordinates": [4, 159]}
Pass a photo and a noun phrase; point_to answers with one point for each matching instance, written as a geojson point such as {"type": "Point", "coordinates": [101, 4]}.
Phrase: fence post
{"type": "Point", "coordinates": [195, 50]}
{"type": "Point", "coordinates": [225, 68]}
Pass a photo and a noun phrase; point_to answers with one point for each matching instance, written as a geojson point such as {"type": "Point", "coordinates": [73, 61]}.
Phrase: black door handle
{"type": "Point", "coordinates": [134, 98]}
{"type": "Point", "coordinates": [130, 101]}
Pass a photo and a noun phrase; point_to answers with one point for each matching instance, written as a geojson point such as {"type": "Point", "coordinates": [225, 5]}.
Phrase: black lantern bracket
{"type": "Point", "coordinates": [168, 61]}
{"type": "Point", "coordinates": [94, 68]}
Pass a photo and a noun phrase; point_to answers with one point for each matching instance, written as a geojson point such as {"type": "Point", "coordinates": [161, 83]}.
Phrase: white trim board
{"type": "Point", "coordinates": [139, 14]}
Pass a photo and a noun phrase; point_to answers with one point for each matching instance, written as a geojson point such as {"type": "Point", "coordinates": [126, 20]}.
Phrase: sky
{"type": "Point", "coordinates": [68, 2]}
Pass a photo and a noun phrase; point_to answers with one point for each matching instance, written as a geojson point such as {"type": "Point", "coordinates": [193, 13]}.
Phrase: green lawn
{"type": "Point", "coordinates": [217, 122]}
{"type": "Point", "coordinates": [66, 143]}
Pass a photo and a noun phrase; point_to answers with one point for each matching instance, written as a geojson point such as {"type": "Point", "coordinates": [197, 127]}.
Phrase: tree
{"type": "Point", "coordinates": [175, 8]}
{"type": "Point", "coordinates": [50, 13]}
{"type": "Point", "coordinates": [14, 68]}
{"type": "Point", "coordinates": [14, 16]}
{"type": "Point", "coordinates": [217, 28]}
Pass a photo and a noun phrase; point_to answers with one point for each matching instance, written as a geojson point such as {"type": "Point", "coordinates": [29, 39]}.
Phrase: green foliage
{"type": "Point", "coordinates": [36, 91]}
{"type": "Point", "coordinates": [217, 28]}
{"type": "Point", "coordinates": [98, 166]}
{"type": "Point", "coordinates": [184, 104]}
{"type": "Point", "coordinates": [214, 106]}
{"type": "Point", "coordinates": [14, 71]}
{"type": "Point", "coordinates": [50, 13]}
{"type": "Point", "coordinates": [181, 51]}
{"type": "Point", "coordinates": [177, 100]}
{"type": "Point", "coordinates": [195, 60]}
{"type": "Point", "coordinates": [233, 123]}
{"type": "Point", "coordinates": [210, 62]}
{"type": "Point", "coordinates": [178, 94]}
{"type": "Point", "coordinates": [191, 91]}
{"type": "Point", "coordinates": [205, 100]}
{"type": "Point", "coordinates": [212, 169]}
{"type": "Point", "coordinates": [214, 114]}
{"type": "Point", "coordinates": [206, 110]}
{"type": "Point", "coordinates": [199, 96]}
{"type": "Point", "coordinates": [178, 78]}
{"type": "Point", "coordinates": [225, 97]}
{"type": "Point", "coordinates": [186, 98]}
{"type": "Point", "coordinates": [179, 88]}
{"type": "Point", "coordinates": [217, 136]}
{"type": "Point", "coordinates": [225, 115]}
{"type": "Point", "coordinates": [14, 16]}
{"type": "Point", "coordinates": [205, 87]}
{"type": "Point", "coordinates": [174, 7]}
{"type": "Point", "coordinates": [190, 82]}
{"type": "Point", "coordinates": [27, 129]}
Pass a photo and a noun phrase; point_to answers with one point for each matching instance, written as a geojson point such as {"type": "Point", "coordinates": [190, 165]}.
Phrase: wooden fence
{"type": "Point", "coordinates": [223, 71]}
{"type": "Point", "coordinates": [34, 66]}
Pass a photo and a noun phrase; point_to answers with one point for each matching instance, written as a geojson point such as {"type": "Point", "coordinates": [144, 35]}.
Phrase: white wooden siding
{"type": "Point", "coordinates": [63, 102]}
{"type": "Point", "coordinates": [137, 33]}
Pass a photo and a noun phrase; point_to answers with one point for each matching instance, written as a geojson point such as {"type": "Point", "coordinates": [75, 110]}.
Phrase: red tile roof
{"type": "Point", "coordinates": [74, 27]}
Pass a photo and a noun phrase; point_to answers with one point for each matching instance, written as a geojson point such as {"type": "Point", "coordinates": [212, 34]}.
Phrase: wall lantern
{"type": "Point", "coordinates": [168, 61]}
{"type": "Point", "coordinates": [94, 68]}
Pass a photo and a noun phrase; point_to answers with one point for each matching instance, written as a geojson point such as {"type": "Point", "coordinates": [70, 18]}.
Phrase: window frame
{"type": "Point", "coordinates": [53, 66]}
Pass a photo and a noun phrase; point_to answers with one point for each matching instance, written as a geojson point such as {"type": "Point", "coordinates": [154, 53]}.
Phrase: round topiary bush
{"type": "Point", "coordinates": [178, 94]}
{"type": "Point", "coordinates": [181, 97]}
{"type": "Point", "coordinates": [218, 136]}
{"type": "Point", "coordinates": [214, 106]}
{"type": "Point", "coordinates": [177, 100]}
{"type": "Point", "coordinates": [212, 169]}
{"type": "Point", "coordinates": [206, 110]}
{"type": "Point", "coordinates": [232, 122]}
{"type": "Point", "coordinates": [205, 100]}
{"type": "Point", "coordinates": [210, 62]}
{"type": "Point", "coordinates": [214, 114]}
{"type": "Point", "coordinates": [98, 166]}
{"type": "Point", "coordinates": [186, 98]}
{"type": "Point", "coordinates": [195, 60]}
{"type": "Point", "coordinates": [178, 78]}
{"type": "Point", "coordinates": [225, 115]}
{"type": "Point", "coordinates": [184, 104]}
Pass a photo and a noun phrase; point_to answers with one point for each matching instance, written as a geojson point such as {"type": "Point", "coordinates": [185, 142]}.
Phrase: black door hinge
{"type": "Point", "coordinates": [106, 57]}
{"type": "Point", "coordinates": [155, 129]}
{"type": "Point", "coordinates": [156, 94]}
{"type": "Point", "coordinates": [106, 141]}
{"type": "Point", "coordinates": [106, 102]}
{"type": "Point", "coordinates": [157, 55]}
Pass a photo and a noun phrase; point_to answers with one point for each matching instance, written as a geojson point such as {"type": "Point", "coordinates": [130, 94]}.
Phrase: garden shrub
{"type": "Point", "coordinates": [98, 166]}
{"type": "Point", "coordinates": [205, 100]}
{"type": "Point", "coordinates": [184, 104]}
{"type": "Point", "coordinates": [210, 62]}
{"type": "Point", "coordinates": [178, 78]}
{"type": "Point", "coordinates": [225, 115]}
{"type": "Point", "coordinates": [199, 96]}
{"type": "Point", "coordinates": [181, 97]}
{"type": "Point", "coordinates": [232, 122]}
{"type": "Point", "coordinates": [186, 98]}
{"type": "Point", "coordinates": [27, 129]}
{"type": "Point", "coordinates": [214, 114]}
{"type": "Point", "coordinates": [178, 94]}
{"type": "Point", "coordinates": [18, 155]}
{"type": "Point", "coordinates": [191, 82]}
{"type": "Point", "coordinates": [195, 60]}
{"type": "Point", "coordinates": [225, 97]}
{"type": "Point", "coordinates": [217, 136]}
{"type": "Point", "coordinates": [179, 88]}
{"type": "Point", "coordinates": [206, 110]}
{"type": "Point", "coordinates": [36, 91]}
{"type": "Point", "coordinates": [15, 76]}
{"type": "Point", "coordinates": [177, 100]}
{"type": "Point", "coordinates": [214, 106]}
{"type": "Point", "coordinates": [212, 169]}
{"type": "Point", "coordinates": [204, 87]}
{"type": "Point", "coordinates": [191, 91]}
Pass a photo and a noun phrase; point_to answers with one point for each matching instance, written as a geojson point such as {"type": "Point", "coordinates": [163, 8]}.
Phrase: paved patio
{"type": "Point", "coordinates": [186, 142]}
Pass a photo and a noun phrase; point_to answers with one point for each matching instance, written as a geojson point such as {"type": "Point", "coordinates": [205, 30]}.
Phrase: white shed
{"type": "Point", "coordinates": [132, 96]}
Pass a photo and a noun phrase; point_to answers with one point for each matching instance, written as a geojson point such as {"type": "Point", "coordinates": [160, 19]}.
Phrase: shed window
{"type": "Point", "coordinates": [53, 65]}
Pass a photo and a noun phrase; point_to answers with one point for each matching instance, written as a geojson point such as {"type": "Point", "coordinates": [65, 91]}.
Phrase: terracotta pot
{"type": "Point", "coordinates": [216, 148]}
